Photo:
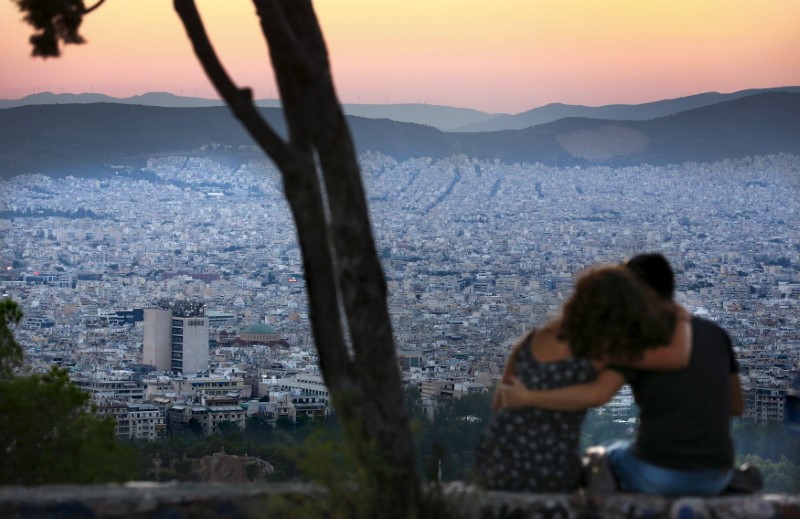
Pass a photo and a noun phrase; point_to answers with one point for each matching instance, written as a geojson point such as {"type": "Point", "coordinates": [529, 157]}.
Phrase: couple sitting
{"type": "Point", "coordinates": [619, 326]}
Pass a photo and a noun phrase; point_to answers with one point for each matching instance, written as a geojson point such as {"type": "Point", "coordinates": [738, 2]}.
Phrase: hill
{"type": "Point", "coordinates": [441, 117]}
{"type": "Point", "coordinates": [755, 125]}
{"type": "Point", "coordinates": [445, 118]}
{"type": "Point", "coordinates": [87, 139]}
{"type": "Point", "coordinates": [618, 112]}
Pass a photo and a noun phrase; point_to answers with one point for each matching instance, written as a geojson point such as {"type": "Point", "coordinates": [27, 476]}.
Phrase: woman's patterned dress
{"type": "Point", "coordinates": [531, 449]}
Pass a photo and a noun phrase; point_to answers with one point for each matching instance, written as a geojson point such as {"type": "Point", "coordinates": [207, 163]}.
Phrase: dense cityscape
{"type": "Point", "coordinates": [474, 252]}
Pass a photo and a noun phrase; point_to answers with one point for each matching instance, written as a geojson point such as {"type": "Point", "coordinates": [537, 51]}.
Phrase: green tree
{"type": "Point", "coordinates": [229, 429]}
{"type": "Point", "coordinates": [782, 476]}
{"type": "Point", "coordinates": [258, 429]}
{"type": "Point", "coordinates": [48, 436]}
{"type": "Point", "coordinates": [10, 351]}
{"type": "Point", "coordinates": [46, 433]}
{"type": "Point", "coordinates": [193, 428]}
{"type": "Point", "coordinates": [184, 468]}
{"type": "Point", "coordinates": [446, 445]}
{"type": "Point", "coordinates": [599, 429]}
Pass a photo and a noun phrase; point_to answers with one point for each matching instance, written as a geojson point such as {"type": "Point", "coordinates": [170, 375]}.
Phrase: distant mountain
{"type": "Point", "coordinates": [444, 118]}
{"type": "Point", "coordinates": [639, 112]}
{"type": "Point", "coordinates": [441, 117]}
{"type": "Point", "coordinates": [49, 98]}
{"type": "Point", "coordinates": [163, 99]}
{"type": "Point", "coordinates": [88, 139]}
{"type": "Point", "coordinates": [74, 139]}
{"type": "Point", "coordinates": [760, 124]}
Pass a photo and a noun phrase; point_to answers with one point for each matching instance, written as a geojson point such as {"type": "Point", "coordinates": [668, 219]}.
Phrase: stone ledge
{"type": "Point", "coordinates": [142, 500]}
{"type": "Point", "coordinates": [507, 505]}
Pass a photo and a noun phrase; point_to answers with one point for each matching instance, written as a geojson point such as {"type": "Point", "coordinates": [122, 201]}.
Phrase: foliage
{"type": "Point", "coordinates": [770, 442]}
{"type": "Point", "coordinates": [328, 457]}
{"type": "Point", "coordinates": [779, 477]}
{"type": "Point", "coordinates": [171, 458]}
{"type": "Point", "coordinates": [47, 436]}
{"type": "Point", "coordinates": [10, 351]}
{"type": "Point", "coordinates": [601, 429]}
{"type": "Point", "coordinates": [771, 448]}
{"type": "Point", "coordinates": [320, 452]}
{"type": "Point", "coordinates": [55, 21]}
{"type": "Point", "coordinates": [46, 433]}
{"type": "Point", "coordinates": [446, 445]}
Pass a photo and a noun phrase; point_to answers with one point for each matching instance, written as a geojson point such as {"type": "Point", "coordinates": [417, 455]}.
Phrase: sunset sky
{"type": "Point", "coordinates": [492, 55]}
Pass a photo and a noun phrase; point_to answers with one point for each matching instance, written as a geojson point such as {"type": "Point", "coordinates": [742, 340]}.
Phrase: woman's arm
{"type": "Point", "coordinates": [577, 397]}
{"type": "Point", "coordinates": [735, 394]}
{"type": "Point", "coordinates": [508, 373]}
{"type": "Point", "coordinates": [674, 355]}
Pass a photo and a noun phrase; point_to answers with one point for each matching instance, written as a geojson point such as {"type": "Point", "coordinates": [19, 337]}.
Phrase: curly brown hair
{"type": "Point", "coordinates": [615, 316]}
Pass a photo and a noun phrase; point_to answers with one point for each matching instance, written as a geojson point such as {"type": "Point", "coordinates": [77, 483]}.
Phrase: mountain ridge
{"type": "Point", "coordinates": [88, 139]}
{"type": "Point", "coordinates": [445, 118]}
{"type": "Point", "coordinates": [438, 116]}
{"type": "Point", "coordinates": [629, 112]}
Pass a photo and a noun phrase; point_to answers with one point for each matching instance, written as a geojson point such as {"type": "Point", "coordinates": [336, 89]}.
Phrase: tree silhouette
{"type": "Point", "coordinates": [322, 183]}
{"type": "Point", "coordinates": [46, 433]}
{"type": "Point", "coordinates": [10, 351]}
{"type": "Point", "coordinates": [55, 21]}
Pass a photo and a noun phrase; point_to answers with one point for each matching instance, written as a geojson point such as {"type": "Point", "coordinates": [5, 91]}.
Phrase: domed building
{"type": "Point", "coordinates": [261, 333]}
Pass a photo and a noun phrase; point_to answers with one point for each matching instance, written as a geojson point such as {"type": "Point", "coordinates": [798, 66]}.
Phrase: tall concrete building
{"type": "Point", "coordinates": [189, 344]}
{"type": "Point", "coordinates": [176, 338]}
{"type": "Point", "coordinates": [157, 348]}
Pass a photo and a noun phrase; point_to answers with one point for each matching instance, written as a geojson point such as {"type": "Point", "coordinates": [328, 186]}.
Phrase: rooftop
{"type": "Point", "coordinates": [260, 329]}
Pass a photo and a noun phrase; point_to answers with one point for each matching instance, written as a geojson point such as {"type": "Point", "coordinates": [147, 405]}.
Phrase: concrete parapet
{"type": "Point", "coordinates": [141, 500]}
{"type": "Point", "coordinates": [508, 505]}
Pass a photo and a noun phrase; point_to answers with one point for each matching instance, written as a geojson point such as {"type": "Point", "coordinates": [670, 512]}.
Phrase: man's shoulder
{"type": "Point", "coordinates": [706, 333]}
{"type": "Point", "coordinates": [703, 324]}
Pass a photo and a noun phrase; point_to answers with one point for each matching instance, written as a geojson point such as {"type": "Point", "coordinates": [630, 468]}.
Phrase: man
{"type": "Point", "coordinates": [683, 445]}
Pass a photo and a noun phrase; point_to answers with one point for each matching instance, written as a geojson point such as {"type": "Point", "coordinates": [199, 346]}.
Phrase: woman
{"type": "Point", "coordinates": [612, 316]}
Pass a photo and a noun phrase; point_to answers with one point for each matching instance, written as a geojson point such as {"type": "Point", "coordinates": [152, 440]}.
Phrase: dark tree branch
{"type": "Point", "coordinates": [362, 279]}
{"type": "Point", "coordinates": [240, 100]}
{"type": "Point", "coordinates": [339, 254]}
{"type": "Point", "coordinates": [95, 6]}
{"type": "Point", "coordinates": [293, 72]}
{"type": "Point", "coordinates": [313, 109]}
{"type": "Point", "coordinates": [303, 193]}
{"type": "Point", "coordinates": [302, 189]}
{"type": "Point", "coordinates": [301, 17]}
{"type": "Point", "coordinates": [294, 75]}
{"type": "Point", "coordinates": [296, 40]}
{"type": "Point", "coordinates": [282, 39]}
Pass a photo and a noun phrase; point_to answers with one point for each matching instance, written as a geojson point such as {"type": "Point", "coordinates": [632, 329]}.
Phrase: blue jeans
{"type": "Point", "coordinates": [635, 475]}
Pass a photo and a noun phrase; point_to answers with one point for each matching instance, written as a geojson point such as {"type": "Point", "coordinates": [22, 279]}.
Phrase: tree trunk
{"type": "Point", "coordinates": [341, 263]}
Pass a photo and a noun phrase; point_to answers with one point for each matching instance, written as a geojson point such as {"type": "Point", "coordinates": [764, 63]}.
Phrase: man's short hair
{"type": "Point", "coordinates": [654, 269]}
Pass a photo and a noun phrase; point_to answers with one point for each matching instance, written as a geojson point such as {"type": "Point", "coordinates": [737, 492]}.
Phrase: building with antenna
{"type": "Point", "coordinates": [176, 337]}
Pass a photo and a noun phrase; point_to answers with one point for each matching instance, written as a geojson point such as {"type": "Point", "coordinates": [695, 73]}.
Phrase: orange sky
{"type": "Point", "coordinates": [492, 55]}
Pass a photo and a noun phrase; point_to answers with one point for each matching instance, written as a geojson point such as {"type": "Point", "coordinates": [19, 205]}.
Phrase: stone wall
{"type": "Point", "coordinates": [250, 501]}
